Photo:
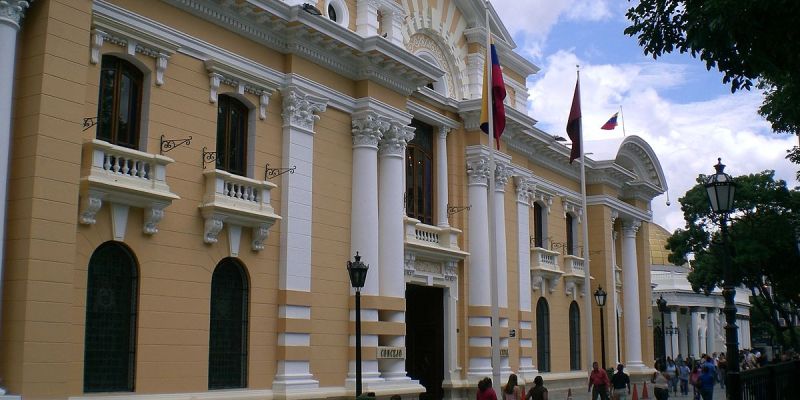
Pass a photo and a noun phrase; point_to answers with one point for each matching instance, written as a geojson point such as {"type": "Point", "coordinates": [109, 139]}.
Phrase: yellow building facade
{"type": "Point", "coordinates": [187, 180]}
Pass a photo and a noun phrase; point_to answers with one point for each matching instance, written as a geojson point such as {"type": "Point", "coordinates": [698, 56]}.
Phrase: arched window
{"type": "Point", "coordinates": [538, 226]}
{"type": "Point", "coordinates": [570, 235]}
{"type": "Point", "coordinates": [543, 335]}
{"type": "Point", "coordinates": [574, 337]}
{"type": "Point", "coordinates": [110, 339]}
{"type": "Point", "coordinates": [231, 135]}
{"type": "Point", "coordinates": [419, 174]}
{"type": "Point", "coordinates": [227, 348]}
{"type": "Point", "coordinates": [120, 104]}
{"type": "Point", "coordinates": [338, 12]}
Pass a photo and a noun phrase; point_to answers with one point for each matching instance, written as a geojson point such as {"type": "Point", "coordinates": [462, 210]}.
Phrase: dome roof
{"type": "Point", "coordinates": [658, 239]}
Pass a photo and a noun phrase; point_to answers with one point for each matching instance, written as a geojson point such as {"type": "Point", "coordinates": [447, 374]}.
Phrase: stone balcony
{"type": "Point", "coordinates": [237, 202]}
{"type": "Point", "coordinates": [545, 271]}
{"type": "Point", "coordinates": [433, 241]}
{"type": "Point", "coordinates": [574, 275]}
{"type": "Point", "coordinates": [123, 178]}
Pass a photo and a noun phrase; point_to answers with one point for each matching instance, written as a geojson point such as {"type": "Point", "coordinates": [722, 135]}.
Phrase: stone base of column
{"type": "Point", "coordinates": [393, 370]}
{"type": "Point", "coordinates": [294, 375]}
{"type": "Point", "coordinates": [637, 367]}
{"type": "Point", "coordinates": [479, 368]}
{"type": "Point", "coordinates": [369, 373]}
{"type": "Point", "coordinates": [526, 369]}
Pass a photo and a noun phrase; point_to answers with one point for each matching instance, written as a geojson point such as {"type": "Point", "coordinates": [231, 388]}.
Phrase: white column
{"type": "Point", "coordinates": [630, 292]}
{"type": "Point", "coordinates": [11, 13]}
{"type": "Point", "coordinates": [390, 216]}
{"type": "Point", "coordinates": [694, 332]}
{"type": "Point", "coordinates": [367, 18]}
{"type": "Point", "coordinates": [441, 177]}
{"type": "Point", "coordinates": [367, 131]}
{"type": "Point", "coordinates": [612, 311]}
{"type": "Point", "coordinates": [711, 331]}
{"type": "Point", "coordinates": [299, 114]}
{"type": "Point", "coordinates": [479, 294]}
{"type": "Point", "coordinates": [524, 188]}
{"type": "Point", "coordinates": [673, 320]}
{"type": "Point", "coordinates": [501, 176]}
{"type": "Point", "coordinates": [451, 367]}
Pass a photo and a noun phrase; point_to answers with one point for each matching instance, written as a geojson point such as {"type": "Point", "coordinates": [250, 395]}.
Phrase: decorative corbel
{"type": "Point", "coordinates": [213, 226]}
{"type": "Point", "coordinates": [161, 66]}
{"type": "Point", "coordinates": [152, 216]}
{"type": "Point", "coordinates": [214, 80]}
{"type": "Point", "coordinates": [260, 234]}
{"type": "Point", "coordinates": [263, 101]}
{"type": "Point", "coordinates": [98, 37]}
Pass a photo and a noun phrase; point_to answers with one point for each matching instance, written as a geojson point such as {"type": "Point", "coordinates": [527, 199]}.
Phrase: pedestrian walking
{"type": "Point", "coordinates": [598, 383]}
{"type": "Point", "coordinates": [621, 384]}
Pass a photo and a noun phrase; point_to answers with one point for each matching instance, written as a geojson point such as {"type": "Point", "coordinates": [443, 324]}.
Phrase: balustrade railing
{"type": "Point", "coordinates": [573, 264]}
{"type": "Point", "coordinates": [238, 192]}
{"type": "Point", "coordinates": [445, 238]}
{"type": "Point", "coordinates": [543, 258]}
{"type": "Point", "coordinates": [120, 166]}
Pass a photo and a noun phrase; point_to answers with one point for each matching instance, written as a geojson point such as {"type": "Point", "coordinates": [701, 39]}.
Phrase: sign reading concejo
{"type": "Point", "coordinates": [386, 352]}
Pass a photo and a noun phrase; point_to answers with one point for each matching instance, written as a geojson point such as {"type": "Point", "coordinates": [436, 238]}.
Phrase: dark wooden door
{"type": "Point", "coordinates": [425, 338]}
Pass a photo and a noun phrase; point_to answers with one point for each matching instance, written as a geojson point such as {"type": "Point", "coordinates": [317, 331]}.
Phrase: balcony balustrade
{"type": "Point", "coordinates": [123, 178]}
{"type": "Point", "coordinates": [545, 271]}
{"type": "Point", "coordinates": [238, 202]}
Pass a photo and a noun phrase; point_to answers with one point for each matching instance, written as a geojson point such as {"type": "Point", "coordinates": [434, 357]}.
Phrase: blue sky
{"type": "Point", "coordinates": [680, 108]}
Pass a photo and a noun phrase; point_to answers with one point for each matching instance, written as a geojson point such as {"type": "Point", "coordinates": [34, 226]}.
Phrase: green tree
{"type": "Point", "coordinates": [763, 244]}
{"type": "Point", "coordinates": [752, 42]}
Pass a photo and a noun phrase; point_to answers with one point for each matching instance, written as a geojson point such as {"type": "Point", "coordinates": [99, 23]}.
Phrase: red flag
{"type": "Point", "coordinates": [498, 95]}
{"type": "Point", "coordinates": [574, 123]}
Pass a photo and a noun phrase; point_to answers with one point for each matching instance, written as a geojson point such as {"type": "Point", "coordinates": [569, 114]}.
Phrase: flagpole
{"type": "Point", "coordinates": [496, 382]}
{"type": "Point", "coordinates": [587, 277]}
{"type": "Point", "coordinates": [622, 116]}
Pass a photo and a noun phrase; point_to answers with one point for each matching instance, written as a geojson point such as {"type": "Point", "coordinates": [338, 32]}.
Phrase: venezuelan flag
{"type": "Point", "coordinates": [498, 95]}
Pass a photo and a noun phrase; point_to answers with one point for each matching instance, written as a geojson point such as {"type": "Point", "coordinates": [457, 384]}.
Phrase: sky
{"type": "Point", "coordinates": [683, 111]}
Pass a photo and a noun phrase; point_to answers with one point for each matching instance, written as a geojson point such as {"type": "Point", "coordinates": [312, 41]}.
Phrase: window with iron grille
{"type": "Point", "coordinates": [570, 235]}
{"type": "Point", "coordinates": [538, 225]}
{"type": "Point", "coordinates": [231, 135]}
{"type": "Point", "coordinates": [543, 335]}
{"type": "Point", "coordinates": [227, 348]}
{"type": "Point", "coordinates": [419, 174]}
{"type": "Point", "coordinates": [574, 337]}
{"type": "Point", "coordinates": [120, 103]}
{"type": "Point", "coordinates": [110, 338]}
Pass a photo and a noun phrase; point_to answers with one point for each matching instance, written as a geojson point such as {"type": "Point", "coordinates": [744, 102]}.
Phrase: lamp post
{"type": "Point", "coordinates": [600, 299]}
{"type": "Point", "coordinates": [720, 188]}
{"type": "Point", "coordinates": [358, 274]}
{"type": "Point", "coordinates": [672, 330]}
{"type": "Point", "coordinates": [662, 307]}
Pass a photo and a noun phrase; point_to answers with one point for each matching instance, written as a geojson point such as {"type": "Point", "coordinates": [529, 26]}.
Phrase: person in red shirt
{"type": "Point", "coordinates": [598, 383]}
{"type": "Point", "coordinates": [485, 390]}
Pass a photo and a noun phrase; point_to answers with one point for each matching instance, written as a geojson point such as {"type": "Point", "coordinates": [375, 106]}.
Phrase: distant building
{"type": "Point", "coordinates": [695, 324]}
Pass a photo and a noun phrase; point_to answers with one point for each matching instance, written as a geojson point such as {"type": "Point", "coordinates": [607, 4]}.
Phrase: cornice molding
{"type": "Point", "coordinates": [429, 116]}
{"type": "Point", "coordinates": [625, 210]}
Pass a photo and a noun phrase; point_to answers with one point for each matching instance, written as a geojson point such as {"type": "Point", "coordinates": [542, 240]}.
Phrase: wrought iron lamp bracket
{"type": "Point", "coordinates": [270, 173]}
{"type": "Point", "coordinates": [208, 157]}
{"type": "Point", "coordinates": [166, 145]}
{"type": "Point", "coordinates": [89, 122]}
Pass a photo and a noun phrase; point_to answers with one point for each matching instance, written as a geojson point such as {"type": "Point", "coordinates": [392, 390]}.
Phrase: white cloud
{"type": "Point", "coordinates": [530, 21]}
{"type": "Point", "coordinates": [686, 136]}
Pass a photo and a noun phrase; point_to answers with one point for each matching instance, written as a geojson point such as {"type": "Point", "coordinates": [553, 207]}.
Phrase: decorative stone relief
{"type": "Point", "coordinates": [152, 216]}
{"type": "Point", "coordinates": [161, 66]}
{"type": "Point", "coordinates": [395, 139]}
{"type": "Point", "coordinates": [213, 226]}
{"type": "Point", "coordinates": [572, 208]}
{"type": "Point", "coordinates": [630, 227]}
{"type": "Point", "coordinates": [90, 205]}
{"type": "Point", "coordinates": [260, 234]}
{"type": "Point", "coordinates": [368, 130]}
{"type": "Point", "coordinates": [132, 46]}
{"type": "Point", "coordinates": [421, 41]}
{"type": "Point", "coordinates": [525, 189]}
{"type": "Point", "coordinates": [300, 110]}
{"type": "Point", "coordinates": [13, 11]}
{"type": "Point", "coordinates": [543, 197]}
{"type": "Point", "coordinates": [478, 171]}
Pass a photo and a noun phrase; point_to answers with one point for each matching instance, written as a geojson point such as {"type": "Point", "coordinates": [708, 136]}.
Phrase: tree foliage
{"type": "Point", "coordinates": [763, 242]}
{"type": "Point", "coordinates": [752, 42]}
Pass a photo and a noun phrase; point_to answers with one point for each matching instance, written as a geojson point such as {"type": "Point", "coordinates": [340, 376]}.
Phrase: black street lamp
{"type": "Point", "coordinates": [721, 188]}
{"type": "Point", "coordinates": [662, 307]}
{"type": "Point", "coordinates": [358, 274]}
{"type": "Point", "coordinates": [672, 330]}
{"type": "Point", "coordinates": [600, 299]}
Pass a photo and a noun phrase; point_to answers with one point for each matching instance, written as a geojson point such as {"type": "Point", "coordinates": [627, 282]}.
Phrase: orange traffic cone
{"type": "Point", "coordinates": [635, 392]}
{"type": "Point", "coordinates": [644, 392]}
{"type": "Point", "coordinates": [569, 394]}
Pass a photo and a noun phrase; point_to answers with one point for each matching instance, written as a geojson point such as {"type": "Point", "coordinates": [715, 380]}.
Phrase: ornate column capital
{"type": "Point", "coordinates": [395, 138]}
{"type": "Point", "coordinates": [300, 110]}
{"type": "Point", "coordinates": [502, 173]}
{"type": "Point", "coordinates": [630, 227]}
{"type": "Point", "coordinates": [525, 189]}
{"type": "Point", "coordinates": [478, 171]}
{"type": "Point", "coordinates": [12, 11]}
{"type": "Point", "coordinates": [443, 132]}
{"type": "Point", "coordinates": [368, 129]}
